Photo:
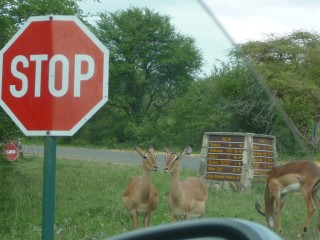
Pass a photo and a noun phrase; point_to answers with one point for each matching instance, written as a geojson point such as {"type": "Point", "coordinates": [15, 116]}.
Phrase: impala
{"type": "Point", "coordinates": [187, 198]}
{"type": "Point", "coordinates": [303, 176]}
{"type": "Point", "coordinates": [140, 196]}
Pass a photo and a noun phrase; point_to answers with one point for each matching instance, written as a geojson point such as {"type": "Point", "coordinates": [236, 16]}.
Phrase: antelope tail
{"type": "Point", "coordinates": [258, 208]}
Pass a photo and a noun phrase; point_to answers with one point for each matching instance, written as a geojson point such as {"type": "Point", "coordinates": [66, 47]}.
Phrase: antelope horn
{"type": "Point", "coordinates": [258, 208]}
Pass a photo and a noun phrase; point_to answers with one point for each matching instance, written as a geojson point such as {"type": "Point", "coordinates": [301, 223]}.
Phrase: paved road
{"type": "Point", "coordinates": [113, 156]}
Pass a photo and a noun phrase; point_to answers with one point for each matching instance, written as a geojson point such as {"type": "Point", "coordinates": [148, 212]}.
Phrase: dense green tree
{"type": "Point", "coordinates": [229, 101]}
{"type": "Point", "coordinates": [13, 13]}
{"type": "Point", "coordinates": [7, 29]}
{"type": "Point", "coordinates": [290, 66]}
{"type": "Point", "coordinates": [155, 95]}
{"type": "Point", "coordinates": [6, 25]}
{"type": "Point", "coordinates": [150, 65]}
{"type": "Point", "coordinates": [20, 10]}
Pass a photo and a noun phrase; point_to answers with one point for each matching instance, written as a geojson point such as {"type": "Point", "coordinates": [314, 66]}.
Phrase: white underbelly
{"type": "Point", "coordinates": [291, 188]}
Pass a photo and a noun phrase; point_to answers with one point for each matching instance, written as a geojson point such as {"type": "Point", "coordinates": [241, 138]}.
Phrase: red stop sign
{"type": "Point", "coordinates": [11, 151]}
{"type": "Point", "coordinates": [53, 76]}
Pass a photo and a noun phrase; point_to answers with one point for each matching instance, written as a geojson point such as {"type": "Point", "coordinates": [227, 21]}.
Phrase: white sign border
{"type": "Point", "coordinates": [105, 89]}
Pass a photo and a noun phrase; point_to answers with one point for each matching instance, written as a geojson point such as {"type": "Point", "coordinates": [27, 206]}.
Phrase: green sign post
{"type": "Point", "coordinates": [49, 178]}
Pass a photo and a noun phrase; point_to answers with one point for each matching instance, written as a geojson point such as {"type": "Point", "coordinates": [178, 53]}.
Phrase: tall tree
{"type": "Point", "coordinates": [151, 64]}
{"type": "Point", "coordinates": [6, 31]}
{"type": "Point", "coordinates": [290, 65]}
{"type": "Point", "coordinates": [20, 10]}
{"type": "Point", "coordinates": [6, 25]}
{"type": "Point", "coordinates": [13, 13]}
{"type": "Point", "coordinates": [231, 101]}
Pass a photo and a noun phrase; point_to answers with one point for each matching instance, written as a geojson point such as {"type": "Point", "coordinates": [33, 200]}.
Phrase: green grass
{"type": "Point", "coordinates": [89, 201]}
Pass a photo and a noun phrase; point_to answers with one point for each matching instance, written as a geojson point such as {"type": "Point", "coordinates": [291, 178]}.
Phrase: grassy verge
{"type": "Point", "coordinates": [89, 202]}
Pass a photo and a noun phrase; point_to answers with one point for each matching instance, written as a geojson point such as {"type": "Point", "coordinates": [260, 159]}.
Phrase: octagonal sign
{"type": "Point", "coordinates": [10, 151]}
{"type": "Point", "coordinates": [53, 76]}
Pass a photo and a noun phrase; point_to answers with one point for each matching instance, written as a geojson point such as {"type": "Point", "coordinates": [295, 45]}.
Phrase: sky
{"type": "Point", "coordinates": [216, 25]}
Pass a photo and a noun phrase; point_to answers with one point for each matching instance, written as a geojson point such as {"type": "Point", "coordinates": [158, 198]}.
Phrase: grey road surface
{"type": "Point", "coordinates": [112, 156]}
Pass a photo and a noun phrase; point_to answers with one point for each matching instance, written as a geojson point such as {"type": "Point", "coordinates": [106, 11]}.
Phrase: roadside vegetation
{"type": "Point", "coordinates": [158, 93]}
{"type": "Point", "coordinates": [89, 201]}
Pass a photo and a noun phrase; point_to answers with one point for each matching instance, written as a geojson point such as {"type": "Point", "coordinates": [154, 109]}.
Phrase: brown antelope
{"type": "Point", "coordinates": [303, 176]}
{"type": "Point", "coordinates": [141, 197]}
{"type": "Point", "coordinates": [187, 198]}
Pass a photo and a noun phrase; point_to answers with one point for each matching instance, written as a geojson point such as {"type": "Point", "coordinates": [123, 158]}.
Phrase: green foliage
{"type": "Point", "coordinates": [104, 129]}
{"type": "Point", "coordinates": [155, 96]}
{"type": "Point", "coordinates": [232, 99]}
{"type": "Point", "coordinates": [20, 11]}
{"type": "Point", "coordinates": [7, 128]}
{"type": "Point", "coordinates": [7, 27]}
{"type": "Point", "coordinates": [289, 64]}
{"type": "Point", "coordinates": [7, 170]}
{"type": "Point", "coordinates": [150, 65]}
{"type": "Point", "coordinates": [219, 104]}
{"type": "Point", "coordinates": [14, 13]}
{"type": "Point", "coordinates": [251, 109]}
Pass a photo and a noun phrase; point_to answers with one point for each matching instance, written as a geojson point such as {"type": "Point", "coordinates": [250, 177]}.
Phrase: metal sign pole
{"type": "Point", "coordinates": [49, 174]}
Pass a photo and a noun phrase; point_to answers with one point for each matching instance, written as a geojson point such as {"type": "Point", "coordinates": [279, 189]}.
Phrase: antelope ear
{"type": "Point", "coordinates": [187, 150]}
{"type": "Point", "coordinates": [150, 149]}
{"type": "Point", "coordinates": [139, 150]}
{"type": "Point", "coordinates": [167, 150]}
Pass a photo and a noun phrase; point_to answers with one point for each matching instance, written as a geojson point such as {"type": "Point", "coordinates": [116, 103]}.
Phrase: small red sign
{"type": "Point", "coordinates": [11, 151]}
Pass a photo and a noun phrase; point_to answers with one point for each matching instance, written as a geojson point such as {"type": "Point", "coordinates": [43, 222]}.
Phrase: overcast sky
{"type": "Point", "coordinates": [242, 20]}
